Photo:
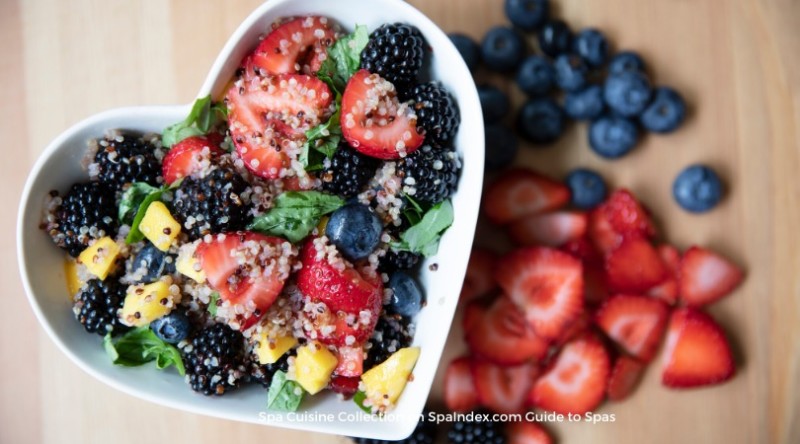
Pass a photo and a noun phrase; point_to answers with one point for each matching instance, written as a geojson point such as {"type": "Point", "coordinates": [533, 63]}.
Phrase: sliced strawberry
{"type": "Point", "coordinates": [635, 267]}
{"type": "Point", "coordinates": [577, 328]}
{"type": "Point", "coordinates": [347, 386]}
{"type": "Point", "coordinates": [595, 285]}
{"type": "Point", "coordinates": [601, 232]}
{"type": "Point", "coordinates": [671, 257]}
{"type": "Point", "coordinates": [244, 268]}
{"type": "Point", "coordinates": [502, 389]}
{"type": "Point", "coordinates": [523, 432]}
{"type": "Point", "coordinates": [625, 376]}
{"type": "Point", "coordinates": [583, 249]}
{"type": "Point", "coordinates": [299, 45]}
{"type": "Point", "coordinates": [503, 337]}
{"type": "Point", "coordinates": [479, 279]}
{"type": "Point", "coordinates": [706, 277]}
{"type": "Point", "coordinates": [635, 323]}
{"type": "Point", "coordinates": [374, 122]}
{"type": "Point", "coordinates": [549, 229]}
{"type": "Point", "coordinates": [520, 192]}
{"type": "Point", "coordinates": [473, 315]}
{"type": "Point", "coordinates": [696, 351]}
{"type": "Point", "coordinates": [667, 291]}
{"type": "Point", "coordinates": [187, 157]}
{"type": "Point", "coordinates": [546, 284]}
{"type": "Point", "coordinates": [627, 216]}
{"type": "Point", "coordinates": [351, 361]}
{"type": "Point", "coordinates": [459, 389]}
{"type": "Point", "coordinates": [576, 380]}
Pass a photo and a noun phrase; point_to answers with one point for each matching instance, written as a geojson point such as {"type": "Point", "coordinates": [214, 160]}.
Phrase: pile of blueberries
{"type": "Point", "coordinates": [611, 92]}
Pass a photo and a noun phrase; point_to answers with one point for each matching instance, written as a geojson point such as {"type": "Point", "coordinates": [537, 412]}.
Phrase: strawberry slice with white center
{"type": "Point", "coordinates": [374, 122]}
{"type": "Point", "coordinates": [706, 277]}
{"type": "Point", "coordinates": [246, 269]}
{"type": "Point", "coordinates": [299, 45]}
{"type": "Point", "coordinates": [189, 156]}
{"type": "Point", "coordinates": [546, 284]}
{"type": "Point", "coordinates": [602, 234]}
{"type": "Point", "coordinates": [503, 337]}
{"type": "Point", "coordinates": [479, 279]}
{"type": "Point", "coordinates": [635, 267]}
{"type": "Point", "coordinates": [502, 389]}
{"type": "Point", "coordinates": [550, 229]}
{"type": "Point", "coordinates": [696, 351]}
{"type": "Point", "coordinates": [523, 432]}
{"type": "Point", "coordinates": [635, 323]}
{"type": "Point", "coordinates": [625, 376]}
{"type": "Point", "coordinates": [520, 192]}
{"type": "Point", "coordinates": [576, 381]}
{"type": "Point", "coordinates": [667, 291]}
{"type": "Point", "coordinates": [459, 389]}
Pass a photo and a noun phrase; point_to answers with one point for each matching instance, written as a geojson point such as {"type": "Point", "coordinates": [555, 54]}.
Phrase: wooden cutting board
{"type": "Point", "coordinates": [736, 62]}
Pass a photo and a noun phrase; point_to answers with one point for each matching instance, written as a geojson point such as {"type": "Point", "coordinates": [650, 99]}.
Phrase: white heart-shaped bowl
{"type": "Point", "coordinates": [41, 263]}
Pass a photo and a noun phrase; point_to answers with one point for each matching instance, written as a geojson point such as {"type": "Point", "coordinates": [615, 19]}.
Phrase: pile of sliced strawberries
{"type": "Point", "coordinates": [575, 313]}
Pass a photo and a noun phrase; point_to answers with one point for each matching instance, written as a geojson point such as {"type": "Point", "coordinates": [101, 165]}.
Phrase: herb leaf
{"type": "Point", "coordinates": [295, 214]}
{"type": "Point", "coordinates": [132, 198]}
{"type": "Point", "coordinates": [323, 139]}
{"type": "Point", "coordinates": [344, 58]}
{"type": "Point", "coordinates": [140, 346]}
{"type": "Point", "coordinates": [424, 236]}
{"type": "Point", "coordinates": [359, 399]}
{"type": "Point", "coordinates": [154, 194]}
{"type": "Point", "coordinates": [212, 303]}
{"type": "Point", "coordinates": [284, 395]}
{"type": "Point", "coordinates": [203, 116]}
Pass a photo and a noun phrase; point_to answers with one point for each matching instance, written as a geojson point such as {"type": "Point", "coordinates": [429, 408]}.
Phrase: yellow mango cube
{"type": "Point", "coordinates": [188, 265]}
{"type": "Point", "coordinates": [74, 281]}
{"type": "Point", "coordinates": [99, 258]}
{"type": "Point", "coordinates": [146, 303]}
{"type": "Point", "coordinates": [313, 366]}
{"type": "Point", "coordinates": [385, 382]}
{"type": "Point", "coordinates": [159, 226]}
{"type": "Point", "coordinates": [269, 350]}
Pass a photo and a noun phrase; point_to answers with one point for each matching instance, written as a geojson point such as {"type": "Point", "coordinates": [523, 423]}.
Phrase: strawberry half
{"type": "Point", "coordinates": [520, 192]}
{"type": "Point", "coordinates": [350, 361]}
{"type": "Point", "coordinates": [550, 229]}
{"type": "Point", "coordinates": [625, 376]}
{"type": "Point", "coordinates": [696, 352]}
{"type": "Point", "coordinates": [635, 267]}
{"type": "Point", "coordinates": [503, 337]}
{"type": "Point", "coordinates": [502, 389]}
{"type": "Point", "coordinates": [187, 157]}
{"type": "Point", "coordinates": [627, 216]}
{"type": "Point", "coordinates": [546, 284]}
{"type": "Point", "coordinates": [706, 277]}
{"type": "Point", "coordinates": [576, 380]}
{"type": "Point", "coordinates": [523, 432]}
{"type": "Point", "coordinates": [667, 291]}
{"type": "Point", "coordinates": [635, 323]}
{"type": "Point", "coordinates": [459, 389]}
{"type": "Point", "coordinates": [299, 45]}
{"type": "Point", "coordinates": [479, 279]}
{"type": "Point", "coordinates": [374, 121]}
{"type": "Point", "coordinates": [601, 232]}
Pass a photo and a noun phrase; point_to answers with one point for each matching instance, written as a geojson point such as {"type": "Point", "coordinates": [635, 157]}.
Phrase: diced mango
{"type": "Point", "coordinates": [74, 281]}
{"type": "Point", "coordinates": [146, 303]}
{"type": "Point", "coordinates": [159, 226]}
{"type": "Point", "coordinates": [99, 258]}
{"type": "Point", "coordinates": [313, 367]}
{"type": "Point", "coordinates": [188, 265]}
{"type": "Point", "coordinates": [385, 382]}
{"type": "Point", "coordinates": [269, 350]}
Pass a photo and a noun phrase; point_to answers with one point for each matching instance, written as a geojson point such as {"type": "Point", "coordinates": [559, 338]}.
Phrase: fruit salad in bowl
{"type": "Point", "coordinates": [281, 241]}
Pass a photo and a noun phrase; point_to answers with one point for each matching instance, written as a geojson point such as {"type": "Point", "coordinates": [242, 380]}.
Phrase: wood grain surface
{"type": "Point", "coordinates": [736, 61]}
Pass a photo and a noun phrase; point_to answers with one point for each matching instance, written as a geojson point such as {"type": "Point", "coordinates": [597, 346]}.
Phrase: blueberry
{"type": "Point", "coordinates": [626, 61]}
{"type": "Point", "coordinates": [355, 230]}
{"type": "Point", "coordinates": [587, 188]}
{"type": "Point", "coordinates": [172, 328]}
{"type": "Point", "coordinates": [468, 48]}
{"type": "Point", "coordinates": [494, 103]}
{"type": "Point", "coordinates": [406, 295]}
{"type": "Point", "coordinates": [555, 38]}
{"type": "Point", "coordinates": [571, 72]}
{"type": "Point", "coordinates": [541, 120]}
{"type": "Point", "coordinates": [697, 189]}
{"type": "Point", "coordinates": [612, 136]}
{"type": "Point", "coordinates": [665, 113]}
{"type": "Point", "coordinates": [592, 46]}
{"type": "Point", "coordinates": [501, 146]}
{"type": "Point", "coordinates": [502, 49]}
{"type": "Point", "coordinates": [527, 14]}
{"type": "Point", "coordinates": [627, 93]}
{"type": "Point", "coordinates": [586, 104]}
{"type": "Point", "coordinates": [536, 76]}
{"type": "Point", "coordinates": [155, 261]}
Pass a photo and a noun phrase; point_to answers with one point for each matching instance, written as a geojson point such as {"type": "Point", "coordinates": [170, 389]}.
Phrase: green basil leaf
{"type": "Point", "coordinates": [135, 235]}
{"type": "Point", "coordinates": [140, 346]}
{"type": "Point", "coordinates": [131, 199]}
{"type": "Point", "coordinates": [324, 139]}
{"type": "Point", "coordinates": [284, 395]}
{"type": "Point", "coordinates": [212, 303]}
{"type": "Point", "coordinates": [344, 59]}
{"type": "Point", "coordinates": [203, 116]}
{"type": "Point", "coordinates": [359, 399]}
{"type": "Point", "coordinates": [295, 214]}
{"type": "Point", "coordinates": [413, 212]}
{"type": "Point", "coordinates": [424, 237]}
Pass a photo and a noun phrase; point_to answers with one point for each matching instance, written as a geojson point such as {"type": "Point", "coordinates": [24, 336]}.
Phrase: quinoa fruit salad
{"type": "Point", "coordinates": [272, 238]}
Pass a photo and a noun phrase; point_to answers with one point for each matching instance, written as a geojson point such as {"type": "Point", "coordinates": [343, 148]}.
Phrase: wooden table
{"type": "Point", "coordinates": [736, 62]}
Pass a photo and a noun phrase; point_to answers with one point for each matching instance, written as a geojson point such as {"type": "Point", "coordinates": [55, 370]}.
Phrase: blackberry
{"type": "Point", "coordinates": [211, 204]}
{"type": "Point", "coordinates": [398, 260]}
{"type": "Point", "coordinates": [392, 332]}
{"type": "Point", "coordinates": [476, 432]}
{"type": "Point", "coordinates": [437, 112]}
{"type": "Point", "coordinates": [216, 361]}
{"type": "Point", "coordinates": [127, 159]}
{"type": "Point", "coordinates": [395, 52]}
{"type": "Point", "coordinates": [424, 433]}
{"type": "Point", "coordinates": [348, 173]}
{"type": "Point", "coordinates": [430, 175]}
{"type": "Point", "coordinates": [87, 212]}
{"type": "Point", "coordinates": [96, 306]}
{"type": "Point", "coordinates": [263, 373]}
